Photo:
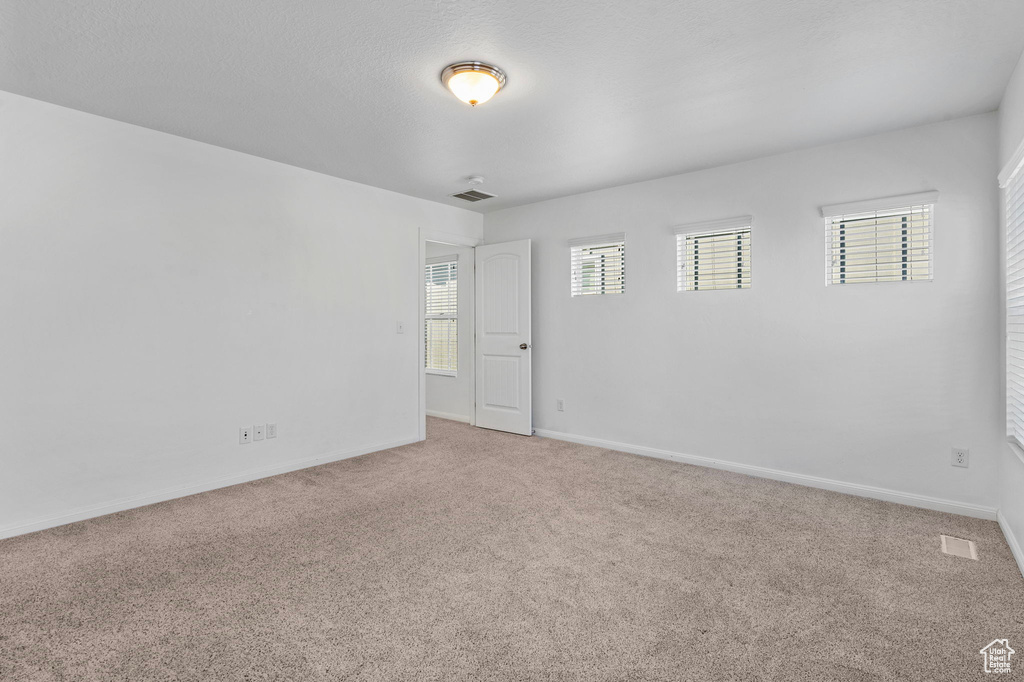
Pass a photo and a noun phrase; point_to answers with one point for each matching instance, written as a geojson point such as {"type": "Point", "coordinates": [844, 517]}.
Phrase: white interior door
{"type": "Point", "coordinates": [504, 399]}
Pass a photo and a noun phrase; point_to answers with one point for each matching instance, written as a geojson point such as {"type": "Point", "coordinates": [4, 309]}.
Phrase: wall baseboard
{"type": "Point", "coordinates": [448, 415]}
{"type": "Point", "coordinates": [184, 491]}
{"type": "Point", "coordinates": [1011, 540]}
{"type": "Point", "coordinates": [911, 499]}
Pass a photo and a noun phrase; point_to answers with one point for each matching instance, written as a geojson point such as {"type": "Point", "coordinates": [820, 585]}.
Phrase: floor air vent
{"type": "Point", "coordinates": [473, 195]}
{"type": "Point", "coordinates": [958, 547]}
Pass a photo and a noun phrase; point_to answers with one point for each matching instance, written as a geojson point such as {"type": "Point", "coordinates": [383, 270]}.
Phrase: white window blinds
{"type": "Point", "coordinates": [714, 255]}
{"type": "Point", "coordinates": [885, 240]}
{"type": "Point", "coordinates": [598, 265]}
{"type": "Point", "coordinates": [442, 315]}
{"type": "Point", "coordinates": [1014, 194]}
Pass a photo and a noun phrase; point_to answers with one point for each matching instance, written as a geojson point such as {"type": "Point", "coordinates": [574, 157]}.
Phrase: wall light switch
{"type": "Point", "coordinates": [257, 432]}
{"type": "Point", "coordinates": [271, 430]}
{"type": "Point", "coordinates": [400, 327]}
{"type": "Point", "coordinates": [244, 435]}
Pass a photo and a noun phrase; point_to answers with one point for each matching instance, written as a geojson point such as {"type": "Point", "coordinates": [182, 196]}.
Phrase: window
{"type": "Point", "coordinates": [713, 255]}
{"type": "Point", "coordinates": [442, 315]}
{"type": "Point", "coordinates": [1013, 184]}
{"type": "Point", "coordinates": [888, 240]}
{"type": "Point", "coordinates": [598, 265]}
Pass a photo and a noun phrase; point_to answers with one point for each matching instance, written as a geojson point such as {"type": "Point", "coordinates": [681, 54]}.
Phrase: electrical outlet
{"type": "Point", "coordinates": [244, 435]}
{"type": "Point", "coordinates": [257, 432]}
{"type": "Point", "coordinates": [271, 430]}
{"type": "Point", "coordinates": [961, 457]}
{"type": "Point", "coordinates": [560, 405]}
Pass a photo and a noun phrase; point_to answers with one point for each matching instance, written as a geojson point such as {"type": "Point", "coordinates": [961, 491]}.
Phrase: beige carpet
{"type": "Point", "coordinates": [484, 556]}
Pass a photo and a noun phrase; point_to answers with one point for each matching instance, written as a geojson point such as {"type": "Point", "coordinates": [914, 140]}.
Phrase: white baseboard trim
{"type": "Point", "coordinates": [185, 491]}
{"type": "Point", "coordinates": [1011, 540]}
{"type": "Point", "coordinates": [911, 499]}
{"type": "Point", "coordinates": [448, 415]}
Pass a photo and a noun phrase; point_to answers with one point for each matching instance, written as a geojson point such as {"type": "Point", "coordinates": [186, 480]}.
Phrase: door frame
{"type": "Point", "coordinates": [429, 235]}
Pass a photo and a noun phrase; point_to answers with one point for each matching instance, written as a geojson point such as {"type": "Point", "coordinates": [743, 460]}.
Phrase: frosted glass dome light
{"type": "Point", "coordinates": [473, 82]}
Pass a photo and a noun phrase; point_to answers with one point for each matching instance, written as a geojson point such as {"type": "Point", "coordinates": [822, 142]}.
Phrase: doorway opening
{"type": "Point", "coordinates": [447, 327]}
{"type": "Point", "coordinates": [475, 333]}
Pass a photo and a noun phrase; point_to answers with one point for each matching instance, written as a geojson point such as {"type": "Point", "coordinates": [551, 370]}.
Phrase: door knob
{"type": "Point", "coordinates": [523, 346]}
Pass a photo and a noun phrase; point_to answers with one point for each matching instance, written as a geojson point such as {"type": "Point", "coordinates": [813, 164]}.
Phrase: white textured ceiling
{"type": "Point", "coordinates": [600, 93]}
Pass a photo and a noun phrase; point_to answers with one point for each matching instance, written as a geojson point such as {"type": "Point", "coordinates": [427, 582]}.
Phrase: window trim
{"type": "Point", "coordinates": [590, 242]}
{"type": "Point", "coordinates": [435, 260]}
{"type": "Point", "coordinates": [884, 204]}
{"type": "Point", "coordinates": [710, 227]}
{"type": "Point", "coordinates": [1011, 182]}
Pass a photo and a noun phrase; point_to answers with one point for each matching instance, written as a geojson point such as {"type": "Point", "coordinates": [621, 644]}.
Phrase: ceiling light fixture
{"type": "Point", "coordinates": [473, 82]}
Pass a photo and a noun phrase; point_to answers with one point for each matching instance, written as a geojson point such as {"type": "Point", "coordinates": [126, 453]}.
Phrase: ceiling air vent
{"type": "Point", "coordinates": [473, 195]}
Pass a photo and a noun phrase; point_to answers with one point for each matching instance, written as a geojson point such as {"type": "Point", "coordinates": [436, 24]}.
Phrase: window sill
{"type": "Point", "coordinates": [442, 373]}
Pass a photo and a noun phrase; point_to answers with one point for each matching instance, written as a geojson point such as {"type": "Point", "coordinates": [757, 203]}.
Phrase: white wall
{"type": "Point", "coordinates": [158, 293]}
{"type": "Point", "coordinates": [868, 385]}
{"type": "Point", "coordinates": [452, 397]}
{"type": "Point", "coordinates": [1011, 115]}
{"type": "Point", "coordinates": [1011, 477]}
